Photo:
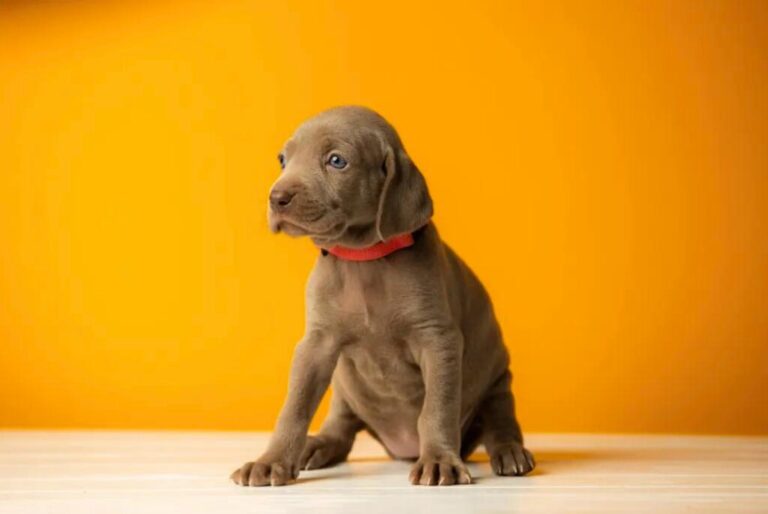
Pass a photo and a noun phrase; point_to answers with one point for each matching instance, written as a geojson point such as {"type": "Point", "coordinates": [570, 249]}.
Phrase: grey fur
{"type": "Point", "coordinates": [409, 342]}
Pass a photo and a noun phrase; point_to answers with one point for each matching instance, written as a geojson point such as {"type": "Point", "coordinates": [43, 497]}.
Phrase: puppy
{"type": "Point", "coordinates": [395, 320]}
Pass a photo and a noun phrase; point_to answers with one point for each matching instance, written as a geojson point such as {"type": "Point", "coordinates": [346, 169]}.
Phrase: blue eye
{"type": "Point", "coordinates": [337, 161]}
{"type": "Point", "coordinates": [281, 158]}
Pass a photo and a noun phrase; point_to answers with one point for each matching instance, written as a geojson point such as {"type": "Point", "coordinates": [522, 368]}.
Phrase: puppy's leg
{"type": "Point", "coordinates": [439, 354]}
{"type": "Point", "coordinates": [471, 438]}
{"type": "Point", "coordinates": [502, 437]}
{"type": "Point", "coordinates": [313, 363]}
{"type": "Point", "coordinates": [334, 441]}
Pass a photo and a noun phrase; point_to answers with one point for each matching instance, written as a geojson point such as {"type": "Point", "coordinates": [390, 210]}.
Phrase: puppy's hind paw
{"type": "Point", "coordinates": [323, 451]}
{"type": "Point", "coordinates": [511, 460]}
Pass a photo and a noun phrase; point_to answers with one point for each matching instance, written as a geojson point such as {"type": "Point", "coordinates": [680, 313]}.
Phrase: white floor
{"type": "Point", "coordinates": [147, 472]}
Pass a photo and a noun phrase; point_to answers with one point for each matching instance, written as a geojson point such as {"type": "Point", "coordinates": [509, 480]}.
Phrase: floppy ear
{"type": "Point", "coordinates": [404, 204]}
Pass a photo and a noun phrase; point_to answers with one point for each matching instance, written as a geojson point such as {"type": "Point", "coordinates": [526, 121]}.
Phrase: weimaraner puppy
{"type": "Point", "coordinates": [395, 320]}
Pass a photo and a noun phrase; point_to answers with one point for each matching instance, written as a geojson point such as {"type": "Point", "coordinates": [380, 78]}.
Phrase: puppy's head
{"type": "Point", "coordinates": [347, 180]}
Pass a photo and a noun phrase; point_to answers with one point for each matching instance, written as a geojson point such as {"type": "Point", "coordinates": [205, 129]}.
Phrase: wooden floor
{"type": "Point", "coordinates": [148, 472]}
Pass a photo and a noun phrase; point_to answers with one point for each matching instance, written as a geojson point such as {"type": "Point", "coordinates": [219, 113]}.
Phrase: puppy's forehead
{"type": "Point", "coordinates": [319, 141]}
{"type": "Point", "coordinates": [350, 125]}
{"type": "Point", "coordinates": [322, 137]}
{"type": "Point", "coordinates": [314, 132]}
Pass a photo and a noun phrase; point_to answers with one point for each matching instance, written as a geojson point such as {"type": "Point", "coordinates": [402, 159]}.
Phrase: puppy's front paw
{"type": "Point", "coordinates": [440, 470]}
{"type": "Point", "coordinates": [270, 472]}
{"type": "Point", "coordinates": [511, 460]}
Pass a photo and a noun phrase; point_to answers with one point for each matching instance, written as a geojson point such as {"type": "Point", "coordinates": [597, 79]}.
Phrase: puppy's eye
{"type": "Point", "coordinates": [281, 158]}
{"type": "Point", "coordinates": [337, 161]}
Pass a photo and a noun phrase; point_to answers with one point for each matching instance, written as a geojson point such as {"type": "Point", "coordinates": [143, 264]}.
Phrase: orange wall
{"type": "Point", "coordinates": [602, 166]}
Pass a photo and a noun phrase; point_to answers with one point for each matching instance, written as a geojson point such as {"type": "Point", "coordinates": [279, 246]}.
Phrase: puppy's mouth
{"type": "Point", "coordinates": [312, 226]}
{"type": "Point", "coordinates": [289, 227]}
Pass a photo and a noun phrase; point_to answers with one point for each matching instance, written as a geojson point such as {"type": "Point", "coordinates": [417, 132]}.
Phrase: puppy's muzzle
{"type": "Point", "coordinates": [280, 199]}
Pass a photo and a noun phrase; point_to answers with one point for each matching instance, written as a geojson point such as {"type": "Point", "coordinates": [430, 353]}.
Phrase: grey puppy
{"type": "Point", "coordinates": [409, 340]}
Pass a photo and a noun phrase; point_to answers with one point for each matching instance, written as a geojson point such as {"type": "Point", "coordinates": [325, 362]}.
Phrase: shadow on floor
{"type": "Point", "coordinates": [546, 461]}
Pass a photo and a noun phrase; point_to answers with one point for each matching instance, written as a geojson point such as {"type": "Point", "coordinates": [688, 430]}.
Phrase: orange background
{"type": "Point", "coordinates": [602, 166]}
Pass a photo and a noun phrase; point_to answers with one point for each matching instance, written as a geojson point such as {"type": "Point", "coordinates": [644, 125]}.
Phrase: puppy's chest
{"type": "Point", "coordinates": [363, 304]}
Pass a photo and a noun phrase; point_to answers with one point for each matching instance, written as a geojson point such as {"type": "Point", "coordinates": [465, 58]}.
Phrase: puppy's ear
{"type": "Point", "coordinates": [404, 204]}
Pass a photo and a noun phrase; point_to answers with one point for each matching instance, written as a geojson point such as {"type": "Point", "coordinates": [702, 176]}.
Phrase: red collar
{"type": "Point", "coordinates": [371, 253]}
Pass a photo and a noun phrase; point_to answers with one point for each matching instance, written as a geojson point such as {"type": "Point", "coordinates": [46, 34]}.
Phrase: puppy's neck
{"type": "Point", "coordinates": [373, 252]}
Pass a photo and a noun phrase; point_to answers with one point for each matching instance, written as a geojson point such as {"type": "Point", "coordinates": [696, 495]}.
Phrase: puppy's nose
{"type": "Point", "coordinates": [279, 199]}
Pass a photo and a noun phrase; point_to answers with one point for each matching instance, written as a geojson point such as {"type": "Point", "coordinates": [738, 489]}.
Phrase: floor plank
{"type": "Point", "coordinates": [159, 472]}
